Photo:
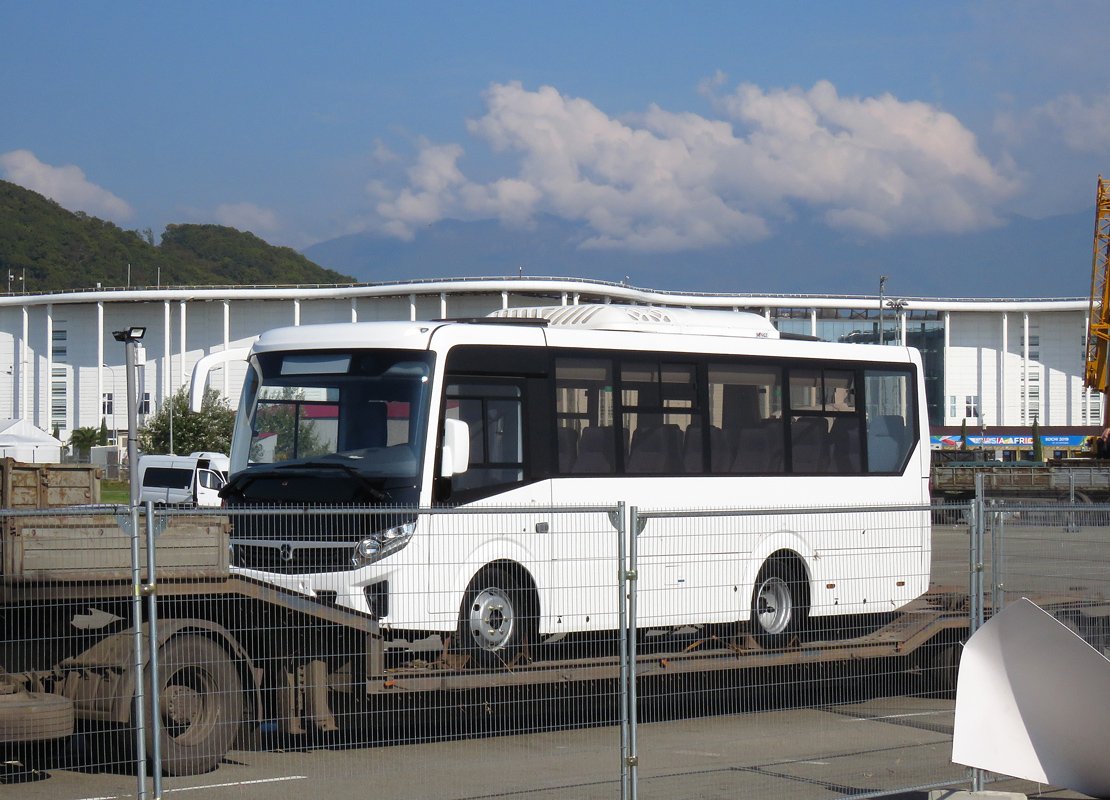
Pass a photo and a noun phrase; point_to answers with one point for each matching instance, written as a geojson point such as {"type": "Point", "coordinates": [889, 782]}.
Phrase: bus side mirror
{"type": "Point", "coordinates": [456, 447]}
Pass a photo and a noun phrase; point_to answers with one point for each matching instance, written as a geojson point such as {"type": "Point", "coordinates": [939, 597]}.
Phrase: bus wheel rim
{"type": "Point", "coordinates": [491, 619]}
{"type": "Point", "coordinates": [774, 605]}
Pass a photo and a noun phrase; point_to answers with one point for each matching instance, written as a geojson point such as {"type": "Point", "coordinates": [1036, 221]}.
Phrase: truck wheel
{"type": "Point", "coordinates": [200, 704]}
{"type": "Point", "coordinates": [778, 610]}
{"type": "Point", "coordinates": [493, 622]}
{"type": "Point", "coordinates": [940, 667]}
{"type": "Point", "coordinates": [33, 716]}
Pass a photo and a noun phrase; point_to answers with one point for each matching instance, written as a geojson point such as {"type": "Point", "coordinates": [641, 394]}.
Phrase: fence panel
{"type": "Point", "coordinates": [817, 699]}
{"type": "Point", "coordinates": [442, 676]}
{"type": "Point", "coordinates": [1057, 555]}
{"type": "Point", "coordinates": [68, 647]}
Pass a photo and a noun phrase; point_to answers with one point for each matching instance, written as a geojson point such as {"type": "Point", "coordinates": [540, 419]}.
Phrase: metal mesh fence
{"type": "Point", "coordinates": [835, 684]}
{"type": "Point", "coordinates": [540, 652]}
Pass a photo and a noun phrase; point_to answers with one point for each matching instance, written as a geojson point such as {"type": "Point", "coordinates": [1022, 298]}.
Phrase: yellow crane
{"type": "Point", "coordinates": [1097, 372]}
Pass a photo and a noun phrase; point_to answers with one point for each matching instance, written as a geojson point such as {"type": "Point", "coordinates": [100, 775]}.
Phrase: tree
{"type": "Point", "coordinates": [81, 439]}
{"type": "Point", "coordinates": [210, 429]}
{"type": "Point", "coordinates": [103, 438]}
{"type": "Point", "coordinates": [1038, 449]}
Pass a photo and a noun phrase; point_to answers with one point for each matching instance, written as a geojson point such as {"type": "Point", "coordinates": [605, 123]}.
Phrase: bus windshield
{"type": "Point", "coordinates": [359, 411]}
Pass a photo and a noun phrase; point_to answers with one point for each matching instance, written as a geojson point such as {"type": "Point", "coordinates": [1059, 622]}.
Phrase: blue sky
{"type": "Point", "coordinates": [649, 128]}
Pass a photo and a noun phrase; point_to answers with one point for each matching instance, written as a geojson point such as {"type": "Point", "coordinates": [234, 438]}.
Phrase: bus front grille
{"type": "Point", "coordinates": [292, 558]}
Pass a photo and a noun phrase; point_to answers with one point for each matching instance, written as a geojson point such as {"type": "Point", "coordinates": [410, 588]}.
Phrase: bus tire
{"type": "Point", "coordinates": [494, 619]}
{"type": "Point", "coordinates": [778, 604]}
{"type": "Point", "coordinates": [200, 706]}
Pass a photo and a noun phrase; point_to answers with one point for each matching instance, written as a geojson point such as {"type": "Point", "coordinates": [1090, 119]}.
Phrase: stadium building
{"type": "Point", "coordinates": [992, 366]}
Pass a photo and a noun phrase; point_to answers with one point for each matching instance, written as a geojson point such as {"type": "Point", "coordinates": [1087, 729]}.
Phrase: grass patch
{"type": "Point", "coordinates": [115, 492]}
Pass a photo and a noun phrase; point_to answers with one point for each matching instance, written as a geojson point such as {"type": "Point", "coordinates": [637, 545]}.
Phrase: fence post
{"type": "Point", "coordinates": [622, 614]}
{"type": "Point", "coordinates": [976, 595]}
{"type": "Point", "coordinates": [1071, 526]}
{"type": "Point", "coordinates": [150, 591]}
{"type": "Point", "coordinates": [137, 620]}
{"type": "Point", "coordinates": [633, 585]}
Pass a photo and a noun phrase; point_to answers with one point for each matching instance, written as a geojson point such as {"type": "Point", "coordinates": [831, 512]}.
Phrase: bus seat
{"type": "Point", "coordinates": [719, 453]}
{"type": "Point", "coordinates": [595, 450]}
{"type": "Point", "coordinates": [758, 449]}
{"type": "Point", "coordinates": [845, 445]}
{"type": "Point", "coordinates": [656, 449]}
{"type": "Point", "coordinates": [568, 448]}
{"type": "Point", "coordinates": [810, 444]}
{"type": "Point", "coordinates": [692, 449]}
{"type": "Point", "coordinates": [884, 448]}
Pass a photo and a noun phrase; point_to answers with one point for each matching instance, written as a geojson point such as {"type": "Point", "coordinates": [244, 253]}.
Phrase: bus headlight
{"type": "Point", "coordinates": [382, 543]}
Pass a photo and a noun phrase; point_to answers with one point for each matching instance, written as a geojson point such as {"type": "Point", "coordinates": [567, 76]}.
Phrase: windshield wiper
{"type": "Point", "coordinates": [374, 492]}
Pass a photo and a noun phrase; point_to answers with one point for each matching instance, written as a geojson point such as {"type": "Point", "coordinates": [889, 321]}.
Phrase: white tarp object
{"type": "Point", "coordinates": [21, 440]}
{"type": "Point", "coordinates": [1033, 701]}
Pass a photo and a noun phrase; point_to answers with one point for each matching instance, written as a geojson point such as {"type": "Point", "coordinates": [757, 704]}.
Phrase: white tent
{"type": "Point", "coordinates": [21, 440]}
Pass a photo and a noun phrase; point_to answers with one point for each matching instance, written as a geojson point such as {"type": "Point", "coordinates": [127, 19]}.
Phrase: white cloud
{"type": "Point", "coordinates": [242, 216]}
{"type": "Point", "coordinates": [666, 181]}
{"type": "Point", "coordinates": [246, 217]}
{"type": "Point", "coordinates": [66, 185]}
{"type": "Point", "coordinates": [1083, 126]}
{"type": "Point", "coordinates": [433, 181]}
{"type": "Point", "coordinates": [383, 154]}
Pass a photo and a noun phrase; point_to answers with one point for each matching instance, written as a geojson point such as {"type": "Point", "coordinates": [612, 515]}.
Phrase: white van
{"type": "Point", "coordinates": [192, 480]}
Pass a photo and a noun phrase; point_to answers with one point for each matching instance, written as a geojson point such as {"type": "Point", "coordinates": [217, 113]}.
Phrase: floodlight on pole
{"type": "Point", "coordinates": [897, 306]}
{"type": "Point", "coordinates": [133, 334]}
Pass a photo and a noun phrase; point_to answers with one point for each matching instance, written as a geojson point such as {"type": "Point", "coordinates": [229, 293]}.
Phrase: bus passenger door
{"type": "Point", "coordinates": [500, 474]}
{"type": "Point", "coordinates": [584, 545]}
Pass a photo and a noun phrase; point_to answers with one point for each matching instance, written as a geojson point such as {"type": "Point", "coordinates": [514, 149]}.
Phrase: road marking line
{"type": "Point", "coordinates": [208, 786]}
{"type": "Point", "coordinates": [238, 783]}
{"type": "Point", "coordinates": [900, 716]}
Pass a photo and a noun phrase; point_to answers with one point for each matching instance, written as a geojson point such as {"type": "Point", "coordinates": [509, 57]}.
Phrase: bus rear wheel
{"type": "Point", "coordinates": [494, 621]}
{"type": "Point", "coordinates": [778, 606]}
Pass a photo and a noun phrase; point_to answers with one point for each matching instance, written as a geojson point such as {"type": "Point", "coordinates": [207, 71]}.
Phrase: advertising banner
{"type": "Point", "coordinates": [1009, 441]}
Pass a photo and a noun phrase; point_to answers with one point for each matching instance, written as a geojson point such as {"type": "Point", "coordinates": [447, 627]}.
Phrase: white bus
{"type": "Point", "coordinates": [571, 405]}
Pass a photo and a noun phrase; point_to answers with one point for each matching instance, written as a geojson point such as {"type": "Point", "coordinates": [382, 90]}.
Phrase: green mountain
{"type": "Point", "coordinates": [58, 250]}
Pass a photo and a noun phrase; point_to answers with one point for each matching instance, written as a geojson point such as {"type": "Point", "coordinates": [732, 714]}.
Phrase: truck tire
{"type": "Point", "coordinates": [200, 707]}
{"type": "Point", "coordinates": [34, 716]}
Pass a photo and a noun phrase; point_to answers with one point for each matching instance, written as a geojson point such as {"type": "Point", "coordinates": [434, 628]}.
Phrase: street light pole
{"type": "Point", "coordinates": [882, 284]}
{"type": "Point", "coordinates": [131, 338]}
{"type": "Point", "coordinates": [897, 306]}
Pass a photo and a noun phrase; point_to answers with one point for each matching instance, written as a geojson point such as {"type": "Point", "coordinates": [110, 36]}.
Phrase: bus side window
{"type": "Point", "coordinates": [494, 414]}
{"type": "Point", "coordinates": [746, 433]}
{"type": "Point", "coordinates": [825, 431]}
{"type": "Point", "coordinates": [659, 401]}
{"type": "Point", "coordinates": [890, 415]}
{"type": "Point", "coordinates": [584, 416]}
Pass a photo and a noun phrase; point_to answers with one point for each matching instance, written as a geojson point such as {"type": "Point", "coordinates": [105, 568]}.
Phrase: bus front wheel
{"type": "Point", "coordinates": [493, 624]}
{"type": "Point", "coordinates": [778, 604]}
